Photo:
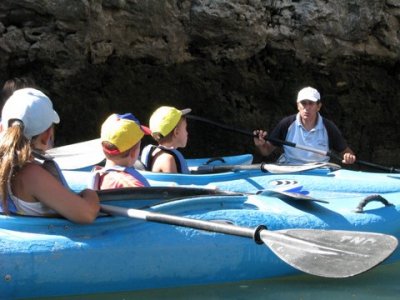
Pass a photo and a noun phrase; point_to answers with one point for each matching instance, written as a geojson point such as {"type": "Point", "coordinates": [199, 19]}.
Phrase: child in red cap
{"type": "Point", "coordinates": [120, 138]}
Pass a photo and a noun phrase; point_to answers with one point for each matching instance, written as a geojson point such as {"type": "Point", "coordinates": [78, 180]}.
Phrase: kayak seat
{"type": "Point", "coordinates": [213, 159]}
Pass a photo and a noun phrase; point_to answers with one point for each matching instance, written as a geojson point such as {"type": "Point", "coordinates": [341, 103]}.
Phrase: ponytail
{"type": "Point", "coordinates": [15, 152]}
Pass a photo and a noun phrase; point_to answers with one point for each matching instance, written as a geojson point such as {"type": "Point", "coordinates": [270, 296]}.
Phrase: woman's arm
{"type": "Point", "coordinates": [36, 184]}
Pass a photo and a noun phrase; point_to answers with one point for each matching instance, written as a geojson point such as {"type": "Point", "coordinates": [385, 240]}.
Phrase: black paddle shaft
{"type": "Point", "coordinates": [294, 145]}
{"type": "Point", "coordinates": [187, 222]}
{"type": "Point", "coordinates": [249, 133]}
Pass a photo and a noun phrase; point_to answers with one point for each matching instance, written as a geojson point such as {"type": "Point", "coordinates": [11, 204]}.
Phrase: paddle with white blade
{"type": "Point", "coordinates": [264, 167]}
{"type": "Point", "coordinates": [79, 155]}
{"type": "Point", "coordinates": [326, 253]}
{"type": "Point", "coordinates": [89, 153]}
{"type": "Point", "coordinates": [172, 193]}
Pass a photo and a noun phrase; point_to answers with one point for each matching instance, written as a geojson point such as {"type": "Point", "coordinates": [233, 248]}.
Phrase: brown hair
{"type": "Point", "coordinates": [16, 83]}
{"type": "Point", "coordinates": [15, 152]}
{"type": "Point", "coordinates": [111, 147]}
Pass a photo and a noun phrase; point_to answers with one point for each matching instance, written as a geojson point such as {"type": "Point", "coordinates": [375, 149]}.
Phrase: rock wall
{"type": "Point", "coordinates": [238, 62]}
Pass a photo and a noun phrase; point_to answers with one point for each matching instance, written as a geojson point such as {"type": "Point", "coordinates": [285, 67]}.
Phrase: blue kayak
{"type": "Point", "coordinates": [120, 253]}
{"type": "Point", "coordinates": [123, 254]}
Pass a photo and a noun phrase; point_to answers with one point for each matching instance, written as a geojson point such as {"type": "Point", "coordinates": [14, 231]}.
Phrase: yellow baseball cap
{"type": "Point", "coordinates": [123, 131]}
{"type": "Point", "coordinates": [165, 119]}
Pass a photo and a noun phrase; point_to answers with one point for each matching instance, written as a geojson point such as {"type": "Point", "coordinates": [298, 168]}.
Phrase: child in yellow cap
{"type": "Point", "coordinates": [120, 138]}
{"type": "Point", "coordinates": [169, 128]}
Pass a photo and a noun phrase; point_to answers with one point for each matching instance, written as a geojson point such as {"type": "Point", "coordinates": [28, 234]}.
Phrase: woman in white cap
{"type": "Point", "coordinates": [169, 128]}
{"type": "Point", "coordinates": [306, 128]}
{"type": "Point", "coordinates": [26, 186]}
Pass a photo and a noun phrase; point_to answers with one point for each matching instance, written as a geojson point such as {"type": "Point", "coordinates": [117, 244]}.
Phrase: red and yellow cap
{"type": "Point", "coordinates": [123, 131]}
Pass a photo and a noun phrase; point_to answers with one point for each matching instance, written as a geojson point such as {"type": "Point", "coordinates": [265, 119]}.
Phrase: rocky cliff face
{"type": "Point", "coordinates": [238, 62]}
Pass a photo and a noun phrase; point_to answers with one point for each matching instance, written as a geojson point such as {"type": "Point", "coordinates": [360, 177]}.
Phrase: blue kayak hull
{"type": "Point", "coordinates": [119, 254]}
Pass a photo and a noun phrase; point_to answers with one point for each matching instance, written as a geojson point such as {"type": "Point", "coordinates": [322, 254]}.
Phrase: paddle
{"type": "Point", "coordinates": [294, 145]}
{"type": "Point", "coordinates": [271, 168]}
{"type": "Point", "coordinates": [326, 253]}
{"type": "Point", "coordinates": [178, 192]}
{"type": "Point", "coordinates": [159, 192]}
{"type": "Point", "coordinates": [79, 155]}
{"type": "Point", "coordinates": [290, 195]}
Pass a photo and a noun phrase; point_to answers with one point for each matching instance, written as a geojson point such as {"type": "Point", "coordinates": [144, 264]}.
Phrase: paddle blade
{"type": "Point", "coordinates": [330, 253]}
{"type": "Point", "coordinates": [290, 195]}
{"type": "Point", "coordinates": [78, 155]}
{"type": "Point", "coordinates": [283, 168]}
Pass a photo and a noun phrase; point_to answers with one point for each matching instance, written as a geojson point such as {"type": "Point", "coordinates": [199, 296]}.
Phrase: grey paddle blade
{"type": "Point", "coordinates": [289, 195]}
{"type": "Point", "coordinates": [330, 253]}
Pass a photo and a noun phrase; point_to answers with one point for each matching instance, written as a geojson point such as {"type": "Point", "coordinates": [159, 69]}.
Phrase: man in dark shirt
{"type": "Point", "coordinates": [307, 128]}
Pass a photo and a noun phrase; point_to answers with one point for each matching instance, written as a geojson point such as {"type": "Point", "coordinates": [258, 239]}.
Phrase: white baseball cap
{"type": "Point", "coordinates": [308, 93]}
{"type": "Point", "coordinates": [33, 108]}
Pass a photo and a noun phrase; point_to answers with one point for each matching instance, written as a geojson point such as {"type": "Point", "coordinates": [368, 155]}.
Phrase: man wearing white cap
{"type": "Point", "coordinates": [306, 128]}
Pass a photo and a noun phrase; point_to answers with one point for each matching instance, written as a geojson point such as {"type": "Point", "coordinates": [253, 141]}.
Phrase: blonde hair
{"type": "Point", "coordinates": [15, 153]}
{"type": "Point", "coordinates": [162, 139]}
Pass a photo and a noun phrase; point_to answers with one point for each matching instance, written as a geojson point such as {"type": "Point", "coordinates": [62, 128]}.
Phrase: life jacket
{"type": "Point", "coordinates": [48, 164]}
{"type": "Point", "coordinates": [147, 158]}
{"type": "Point", "coordinates": [100, 172]}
